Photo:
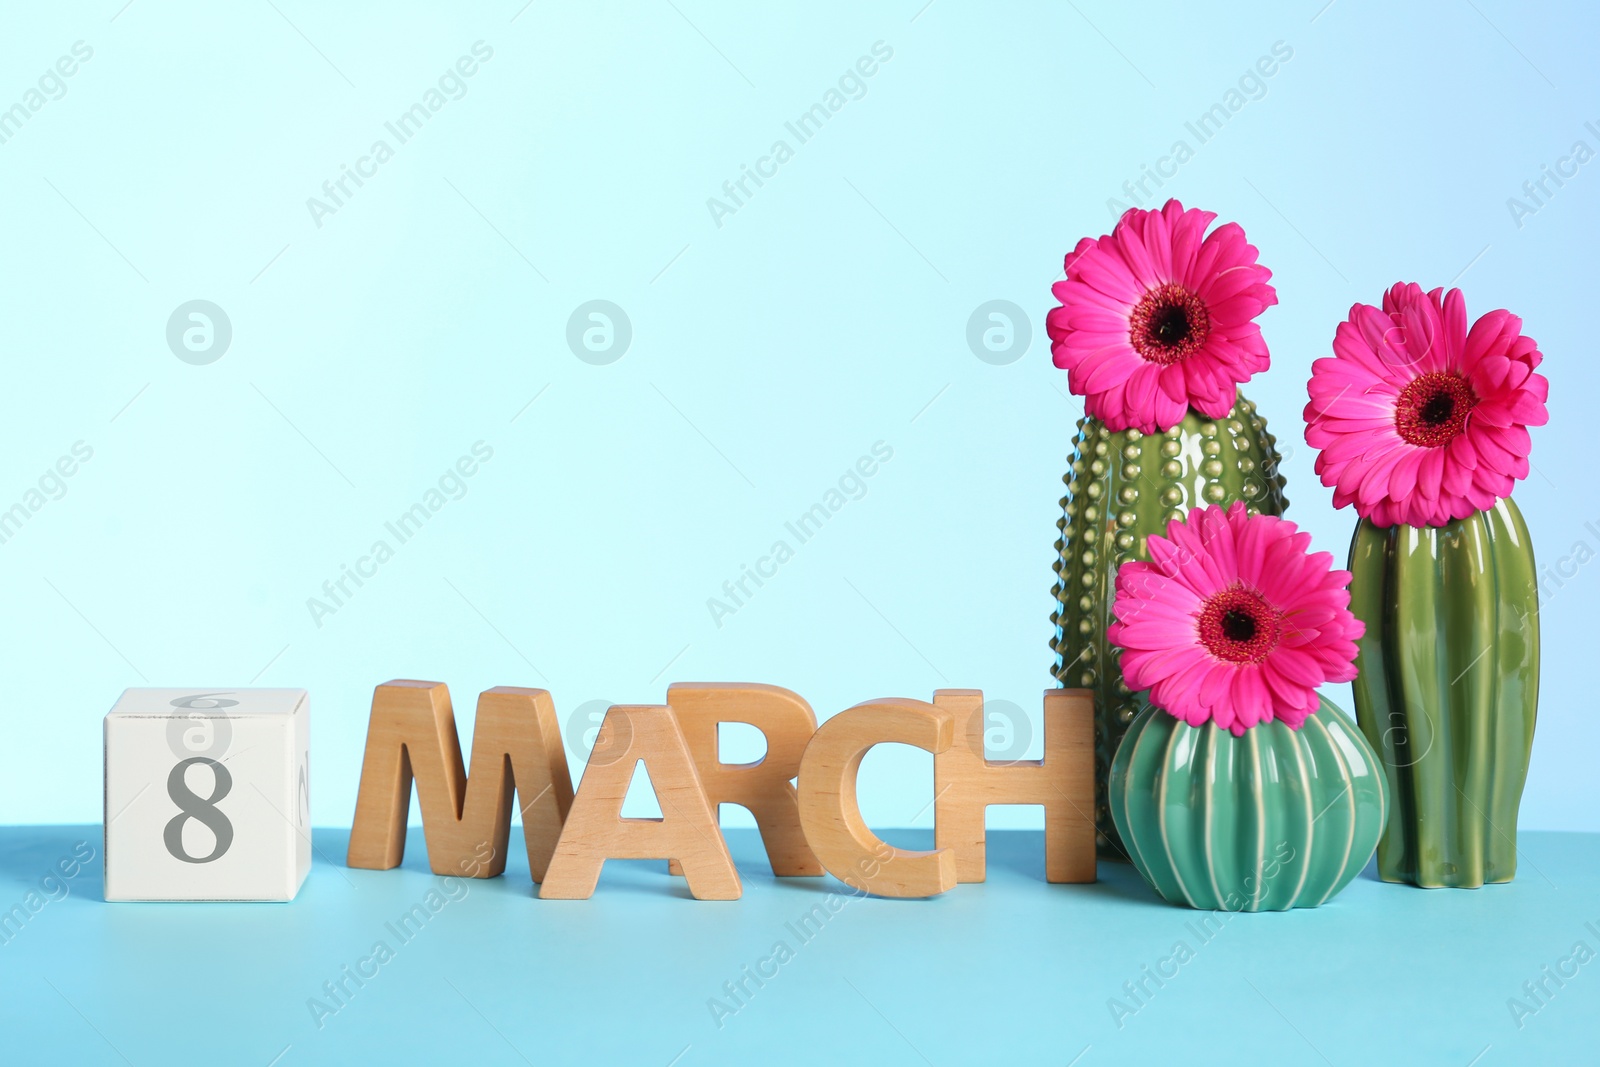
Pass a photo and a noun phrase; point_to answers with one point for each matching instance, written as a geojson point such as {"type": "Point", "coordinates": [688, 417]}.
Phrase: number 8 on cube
{"type": "Point", "coordinates": [206, 794]}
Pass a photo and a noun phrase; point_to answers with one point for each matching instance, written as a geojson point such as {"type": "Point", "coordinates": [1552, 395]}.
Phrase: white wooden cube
{"type": "Point", "coordinates": [207, 796]}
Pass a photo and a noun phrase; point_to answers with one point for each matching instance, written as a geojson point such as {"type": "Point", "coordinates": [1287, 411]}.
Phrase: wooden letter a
{"type": "Point", "coordinates": [596, 831]}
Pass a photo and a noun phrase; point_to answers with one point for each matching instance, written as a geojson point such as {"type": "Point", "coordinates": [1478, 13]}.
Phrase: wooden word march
{"type": "Point", "coordinates": [802, 792]}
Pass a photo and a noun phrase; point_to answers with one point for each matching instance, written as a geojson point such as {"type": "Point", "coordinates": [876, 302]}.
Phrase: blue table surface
{"type": "Point", "coordinates": [1010, 971]}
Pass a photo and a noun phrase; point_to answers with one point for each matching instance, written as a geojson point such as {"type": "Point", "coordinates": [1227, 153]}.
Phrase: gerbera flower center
{"type": "Point", "coordinates": [1432, 410]}
{"type": "Point", "coordinates": [1168, 324]}
{"type": "Point", "coordinates": [1239, 626]}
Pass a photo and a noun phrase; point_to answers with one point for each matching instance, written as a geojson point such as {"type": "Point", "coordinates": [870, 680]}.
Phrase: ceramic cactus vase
{"type": "Point", "coordinates": [1122, 487]}
{"type": "Point", "coordinates": [1274, 819]}
{"type": "Point", "coordinates": [1448, 689]}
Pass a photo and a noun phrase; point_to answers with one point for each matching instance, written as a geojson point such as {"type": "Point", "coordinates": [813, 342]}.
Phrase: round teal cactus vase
{"type": "Point", "coordinates": [1122, 487]}
{"type": "Point", "coordinates": [1271, 820]}
{"type": "Point", "coordinates": [1448, 689]}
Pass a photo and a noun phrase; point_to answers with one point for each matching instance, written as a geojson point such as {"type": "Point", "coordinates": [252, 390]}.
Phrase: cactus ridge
{"type": "Point", "coordinates": [1279, 818]}
{"type": "Point", "coordinates": [1448, 689]}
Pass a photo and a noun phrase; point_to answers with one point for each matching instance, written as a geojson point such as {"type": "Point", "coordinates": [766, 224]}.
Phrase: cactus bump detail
{"type": "Point", "coordinates": [1124, 485]}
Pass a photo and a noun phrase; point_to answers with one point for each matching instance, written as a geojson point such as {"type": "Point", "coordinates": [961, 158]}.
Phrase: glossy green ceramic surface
{"type": "Point", "coordinates": [1272, 820]}
{"type": "Point", "coordinates": [1122, 487]}
{"type": "Point", "coordinates": [1448, 689]}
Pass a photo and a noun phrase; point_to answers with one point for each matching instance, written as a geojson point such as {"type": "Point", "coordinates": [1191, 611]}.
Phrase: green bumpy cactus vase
{"type": "Point", "coordinates": [1123, 486]}
{"type": "Point", "coordinates": [1448, 689]}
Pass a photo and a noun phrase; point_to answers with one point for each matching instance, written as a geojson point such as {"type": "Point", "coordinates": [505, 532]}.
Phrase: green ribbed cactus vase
{"type": "Point", "coordinates": [1271, 820]}
{"type": "Point", "coordinates": [1448, 689]}
{"type": "Point", "coordinates": [1123, 486]}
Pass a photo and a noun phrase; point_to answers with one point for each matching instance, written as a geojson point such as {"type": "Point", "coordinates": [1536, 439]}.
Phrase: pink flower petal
{"type": "Point", "coordinates": [1352, 417]}
{"type": "Point", "coordinates": [1092, 331]}
{"type": "Point", "coordinates": [1197, 675]}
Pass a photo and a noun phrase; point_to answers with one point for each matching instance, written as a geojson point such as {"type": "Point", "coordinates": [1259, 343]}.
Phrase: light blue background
{"type": "Point", "coordinates": [768, 354]}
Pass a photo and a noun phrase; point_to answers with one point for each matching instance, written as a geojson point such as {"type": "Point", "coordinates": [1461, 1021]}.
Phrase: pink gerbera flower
{"type": "Point", "coordinates": [1156, 317]}
{"type": "Point", "coordinates": [1419, 420]}
{"type": "Point", "coordinates": [1234, 621]}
